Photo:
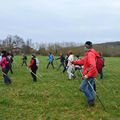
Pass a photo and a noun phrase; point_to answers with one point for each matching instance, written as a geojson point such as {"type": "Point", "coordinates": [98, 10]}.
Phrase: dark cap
{"type": "Point", "coordinates": [88, 43]}
{"type": "Point", "coordinates": [4, 52]}
{"type": "Point", "coordinates": [33, 55]}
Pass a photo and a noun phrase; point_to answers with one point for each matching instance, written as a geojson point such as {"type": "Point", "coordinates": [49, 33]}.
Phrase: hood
{"type": "Point", "coordinates": [94, 51]}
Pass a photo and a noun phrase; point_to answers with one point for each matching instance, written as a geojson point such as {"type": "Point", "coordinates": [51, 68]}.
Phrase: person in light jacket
{"type": "Point", "coordinates": [70, 66]}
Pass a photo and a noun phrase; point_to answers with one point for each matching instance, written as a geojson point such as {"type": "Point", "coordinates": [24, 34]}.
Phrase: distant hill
{"type": "Point", "coordinates": [106, 49]}
{"type": "Point", "coordinates": [117, 43]}
{"type": "Point", "coordinates": [109, 48]}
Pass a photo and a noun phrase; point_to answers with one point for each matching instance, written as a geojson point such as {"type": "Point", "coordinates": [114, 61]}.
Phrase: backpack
{"type": "Point", "coordinates": [99, 63]}
{"type": "Point", "coordinates": [37, 61]}
{"type": "Point", "coordinates": [0, 57]}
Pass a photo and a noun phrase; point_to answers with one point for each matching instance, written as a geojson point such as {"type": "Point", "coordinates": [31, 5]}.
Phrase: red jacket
{"type": "Point", "coordinates": [32, 63]}
{"type": "Point", "coordinates": [3, 63]}
{"type": "Point", "coordinates": [89, 63]}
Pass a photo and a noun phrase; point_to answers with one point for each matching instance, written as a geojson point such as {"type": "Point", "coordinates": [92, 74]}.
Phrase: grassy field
{"type": "Point", "coordinates": [54, 97]}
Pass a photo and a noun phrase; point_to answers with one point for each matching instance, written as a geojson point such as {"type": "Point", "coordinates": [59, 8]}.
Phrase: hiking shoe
{"type": "Point", "coordinates": [34, 80]}
{"type": "Point", "coordinates": [91, 103]}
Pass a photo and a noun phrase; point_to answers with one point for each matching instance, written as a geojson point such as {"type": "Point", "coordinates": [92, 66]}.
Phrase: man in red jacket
{"type": "Point", "coordinates": [89, 72]}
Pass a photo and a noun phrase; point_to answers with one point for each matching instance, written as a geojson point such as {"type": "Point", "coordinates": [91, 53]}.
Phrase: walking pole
{"type": "Point", "coordinates": [40, 75]}
{"type": "Point", "coordinates": [95, 94]}
{"type": "Point", "coordinates": [33, 73]}
{"type": "Point", "coordinates": [6, 76]}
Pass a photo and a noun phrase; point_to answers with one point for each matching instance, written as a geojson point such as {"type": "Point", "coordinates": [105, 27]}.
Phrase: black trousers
{"type": "Point", "coordinates": [33, 73]}
{"type": "Point", "coordinates": [64, 69]}
{"type": "Point", "coordinates": [61, 64]}
{"type": "Point", "coordinates": [24, 62]}
{"type": "Point", "coordinates": [7, 80]}
{"type": "Point", "coordinates": [49, 64]}
{"type": "Point", "coordinates": [101, 74]}
{"type": "Point", "coordinates": [9, 68]}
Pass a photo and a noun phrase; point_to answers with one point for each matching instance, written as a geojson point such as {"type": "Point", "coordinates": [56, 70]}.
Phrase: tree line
{"type": "Point", "coordinates": [18, 45]}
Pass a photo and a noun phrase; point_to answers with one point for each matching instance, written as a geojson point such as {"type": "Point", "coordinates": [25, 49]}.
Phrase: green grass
{"type": "Point", "coordinates": [54, 97]}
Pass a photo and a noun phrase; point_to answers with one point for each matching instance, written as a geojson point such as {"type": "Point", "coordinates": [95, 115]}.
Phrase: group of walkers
{"type": "Point", "coordinates": [6, 60]}
{"type": "Point", "coordinates": [6, 63]}
{"type": "Point", "coordinates": [33, 66]}
{"type": "Point", "coordinates": [89, 66]}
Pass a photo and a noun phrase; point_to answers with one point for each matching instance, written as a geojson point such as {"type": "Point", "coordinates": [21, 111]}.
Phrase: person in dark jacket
{"type": "Point", "coordinates": [10, 60]}
{"type": "Point", "coordinates": [65, 62]}
{"type": "Point", "coordinates": [62, 61]}
{"type": "Point", "coordinates": [33, 66]}
{"type": "Point", "coordinates": [24, 60]}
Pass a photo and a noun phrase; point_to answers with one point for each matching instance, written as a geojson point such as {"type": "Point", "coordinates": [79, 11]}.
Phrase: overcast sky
{"type": "Point", "coordinates": [61, 20]}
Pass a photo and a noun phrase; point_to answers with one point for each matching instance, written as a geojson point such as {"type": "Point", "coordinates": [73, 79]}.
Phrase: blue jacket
{"type": "Point", "coordinates": [51, 58]}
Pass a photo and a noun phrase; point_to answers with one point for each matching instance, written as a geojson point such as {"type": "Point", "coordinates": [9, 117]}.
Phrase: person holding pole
{"type": "Point", "coordinates": [33, 66]}
{"type": "Point", "coordinates": [89, 72]}
{"type": "Point", "coordinates": [65, 62]}
{"type": "Point", "coordinates": [9, 66]}
{"type": "Point", "coordinates": [4, 63]}
{"type": "Point", "coordinates": [62, 61]}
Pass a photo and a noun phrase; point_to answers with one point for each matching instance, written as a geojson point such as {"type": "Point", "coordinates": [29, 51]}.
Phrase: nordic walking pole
{"type": "Point", "coordinates": [40, 75]}
{"type": "Point", "coordinates": [7, 77]}
{"type": "Point", "coordinates": [33, 73]}
{"type": "Point", "coordinates": [95, 94]}
{"type": "Point", "coordinates": [5, 74]}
